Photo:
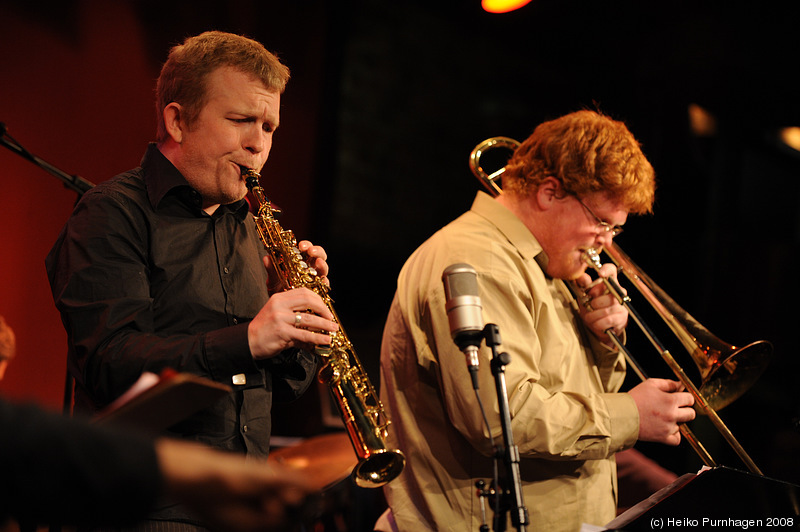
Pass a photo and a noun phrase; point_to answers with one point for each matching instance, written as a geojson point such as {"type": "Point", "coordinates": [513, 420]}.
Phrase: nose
{"type": "Point", "coordinates": [604, 239]}
{"type": "Point", "coordinates": [257, 141]}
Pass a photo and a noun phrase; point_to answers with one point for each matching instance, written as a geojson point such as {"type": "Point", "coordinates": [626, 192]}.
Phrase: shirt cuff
{"type": "Point", "coordinates": [624, 419]}
{"type": "Point", "coordinates": [227, 353]}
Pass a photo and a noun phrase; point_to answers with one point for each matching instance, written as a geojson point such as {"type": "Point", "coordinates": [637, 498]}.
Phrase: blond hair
{"type": "Point", "coordinates": [184, 74]}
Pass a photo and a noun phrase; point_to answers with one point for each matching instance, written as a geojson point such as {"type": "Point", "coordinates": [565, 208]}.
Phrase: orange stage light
{"type": "Point", "coordinates": [502, 6]}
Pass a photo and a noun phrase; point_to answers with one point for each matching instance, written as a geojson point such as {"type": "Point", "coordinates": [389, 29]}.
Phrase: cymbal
{"type": "Point", "coordinates": [326, 459]}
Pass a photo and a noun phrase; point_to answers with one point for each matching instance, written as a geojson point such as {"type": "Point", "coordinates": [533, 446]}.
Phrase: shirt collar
{"type": "Point", "coordinates": [512, 227]}
{"type": "Point", "coordinates": [162, 179]}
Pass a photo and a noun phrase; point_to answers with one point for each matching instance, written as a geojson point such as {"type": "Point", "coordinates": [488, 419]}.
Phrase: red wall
{"type": "Point", "coordinates": [69, 100]}
{"type": "Point", "coordinates": [79, 95]}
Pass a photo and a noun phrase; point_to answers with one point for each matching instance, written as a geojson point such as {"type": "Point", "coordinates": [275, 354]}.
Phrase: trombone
{"type": "Point", "coordinates": [726, 371]}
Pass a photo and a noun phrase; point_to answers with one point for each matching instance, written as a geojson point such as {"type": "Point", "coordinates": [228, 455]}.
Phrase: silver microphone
{"type": "Point", "coordinates": [463, 305]}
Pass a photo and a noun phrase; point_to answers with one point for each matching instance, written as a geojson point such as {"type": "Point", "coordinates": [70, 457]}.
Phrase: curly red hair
{"type": "Point", "coordinates": [588, 152]}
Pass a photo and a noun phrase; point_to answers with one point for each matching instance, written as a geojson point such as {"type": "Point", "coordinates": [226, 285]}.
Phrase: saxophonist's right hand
{"type": "Point", "coordinates": [277, 327]}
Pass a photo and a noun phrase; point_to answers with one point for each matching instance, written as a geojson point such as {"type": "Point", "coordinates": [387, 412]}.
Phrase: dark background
{"type": "Point", "coordinates": [385, 104]}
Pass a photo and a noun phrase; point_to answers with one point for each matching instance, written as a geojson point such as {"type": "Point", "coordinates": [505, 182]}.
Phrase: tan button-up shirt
{"type": "Point", "coordinates": [566, 418]}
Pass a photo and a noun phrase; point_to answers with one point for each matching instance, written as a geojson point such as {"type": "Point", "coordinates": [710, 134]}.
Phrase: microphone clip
{"type": "Point", "coordinates": [470, 344]}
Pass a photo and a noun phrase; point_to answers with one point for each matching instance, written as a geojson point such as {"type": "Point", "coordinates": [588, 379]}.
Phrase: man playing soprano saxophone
{"type": "Point", "coordinates": [161, 267]}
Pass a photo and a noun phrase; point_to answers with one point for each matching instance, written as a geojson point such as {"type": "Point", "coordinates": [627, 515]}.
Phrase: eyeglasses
{"type": "Point", "coordinates": [605, 226]}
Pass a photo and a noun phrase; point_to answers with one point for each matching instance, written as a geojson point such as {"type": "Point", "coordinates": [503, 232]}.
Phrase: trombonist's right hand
{"type": "Point", "coordinates": [662, 405]}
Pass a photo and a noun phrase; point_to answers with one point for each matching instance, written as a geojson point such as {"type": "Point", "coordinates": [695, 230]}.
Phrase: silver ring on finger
{"type": "Point", "coordinates": [298, 318]}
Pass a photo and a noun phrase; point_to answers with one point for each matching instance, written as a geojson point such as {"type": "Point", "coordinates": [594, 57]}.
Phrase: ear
{"type": "Point", "coordinates": [548, 192]}
{"type": "Point", "coordinates": [172, 121]}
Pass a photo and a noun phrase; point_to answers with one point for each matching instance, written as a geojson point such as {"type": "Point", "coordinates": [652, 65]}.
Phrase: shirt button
{"type": "Point", "coordinates": [235, 321]}
{"type": "Point", "coordinates": [225, 270]}
{"type": "Point", "coordinates": [244, 428]}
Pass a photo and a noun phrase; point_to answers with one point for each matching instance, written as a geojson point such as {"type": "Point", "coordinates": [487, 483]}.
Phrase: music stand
{"type": "Point", "coordinates": [163, 401]}
{"type": "Point", "coordinates": [718, 497]}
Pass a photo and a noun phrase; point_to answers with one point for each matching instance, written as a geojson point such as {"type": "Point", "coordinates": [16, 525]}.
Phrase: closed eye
{"type": "Point", "coordinates": [267, 126]}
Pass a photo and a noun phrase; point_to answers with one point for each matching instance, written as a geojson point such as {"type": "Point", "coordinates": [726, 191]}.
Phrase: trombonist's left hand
{"type": "Point", "coordinates": [601, 311]}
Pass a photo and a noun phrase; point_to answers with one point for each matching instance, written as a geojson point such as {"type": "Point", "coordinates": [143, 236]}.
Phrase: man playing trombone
{"type": "Point", "coordinates": [569, 187]}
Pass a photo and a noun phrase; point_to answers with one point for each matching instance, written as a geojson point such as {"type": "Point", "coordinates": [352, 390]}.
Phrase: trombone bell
{"type": "Point", "coordinates": [732, 371]}
{"type": "Point", "coordinates": [726, 371]}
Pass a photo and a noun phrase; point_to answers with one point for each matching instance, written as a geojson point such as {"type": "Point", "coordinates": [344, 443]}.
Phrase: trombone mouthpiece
{"type": "Point", "coordinates": [592, 257]}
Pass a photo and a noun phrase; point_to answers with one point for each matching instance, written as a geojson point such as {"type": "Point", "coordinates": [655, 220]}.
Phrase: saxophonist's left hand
{"type": "Point", "coordinates": [316, 258]}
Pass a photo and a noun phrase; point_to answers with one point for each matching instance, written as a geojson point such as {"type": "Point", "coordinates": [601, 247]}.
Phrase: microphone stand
{"type": "Point", "coordinates": [508, 498]}
{"type": "Point", "coordinates": [74, 182]}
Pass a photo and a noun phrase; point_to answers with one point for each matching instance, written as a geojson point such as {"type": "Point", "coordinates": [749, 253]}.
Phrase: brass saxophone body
{"type": "Point", "coordinates": [358, 402]}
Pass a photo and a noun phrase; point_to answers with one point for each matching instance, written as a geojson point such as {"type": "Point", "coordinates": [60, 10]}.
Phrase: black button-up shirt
{"type": "Point", "coordinates": [146, 280]}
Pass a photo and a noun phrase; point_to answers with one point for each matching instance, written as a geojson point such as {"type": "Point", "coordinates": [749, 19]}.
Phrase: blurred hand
{"type": "Point", "coordinates": [231, 493]}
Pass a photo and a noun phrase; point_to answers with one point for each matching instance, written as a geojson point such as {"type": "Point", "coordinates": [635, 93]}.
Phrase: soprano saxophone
{"type": "Point", "coordinates": [357, 401]}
